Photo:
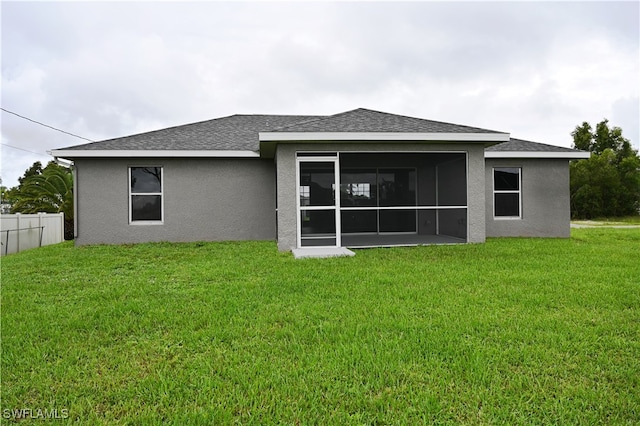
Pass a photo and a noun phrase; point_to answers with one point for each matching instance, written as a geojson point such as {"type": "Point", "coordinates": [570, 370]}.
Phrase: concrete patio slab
{"type": "Point", "coordinates": [321, 252]}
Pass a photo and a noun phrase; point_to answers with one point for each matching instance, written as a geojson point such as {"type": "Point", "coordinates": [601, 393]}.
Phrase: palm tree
{"type": "Point", "coordinates": [49, 192]}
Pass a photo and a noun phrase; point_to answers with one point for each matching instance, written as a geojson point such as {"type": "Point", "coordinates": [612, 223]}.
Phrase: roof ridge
{"type": "Point", "coordinates": [326, 117]}
{"type": "Point", "coordinates": [388, 114]}
{"type": "Point", "coordinates": [431, 121]}
{"type": "Point", "coordinates": [269, 115]}
{"type": "Point", "coordinates": [310, 120]}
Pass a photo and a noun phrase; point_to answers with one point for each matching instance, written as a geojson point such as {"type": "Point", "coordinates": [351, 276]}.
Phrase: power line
{"type": "Point", "coordinates": [25, 150]}
{"type": "Point", "coordinates": [42, 124]}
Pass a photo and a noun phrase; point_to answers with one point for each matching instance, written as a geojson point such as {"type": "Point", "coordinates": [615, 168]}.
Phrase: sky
{"type": "Point", "coordinates": [102, 70]}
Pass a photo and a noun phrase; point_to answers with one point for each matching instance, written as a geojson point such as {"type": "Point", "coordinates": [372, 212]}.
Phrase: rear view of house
{"type": "Point", "coordinates": [356, 179]}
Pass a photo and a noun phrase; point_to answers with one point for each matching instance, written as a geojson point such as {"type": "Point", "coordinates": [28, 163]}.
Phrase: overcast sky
{"type": "Point", "coordinates": [104, 70]}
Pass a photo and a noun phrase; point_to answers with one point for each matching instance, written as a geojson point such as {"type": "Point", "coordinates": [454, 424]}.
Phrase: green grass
{"type": "Point", "coordinates": [514, 331]}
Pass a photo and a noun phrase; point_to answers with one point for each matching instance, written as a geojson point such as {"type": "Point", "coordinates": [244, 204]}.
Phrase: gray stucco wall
{"type": "Point", "coordinates": [286, 180]}
{"type": "Point", "coordinates": [204, 200]}
{"type": "Point", "coordinates": [545, 199]}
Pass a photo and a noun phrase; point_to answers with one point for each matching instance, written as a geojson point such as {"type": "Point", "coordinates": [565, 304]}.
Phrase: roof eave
{"type": "Point", "coordinates": [537, 154]}
{"type": "Point", "coordinates": [382, 136]}
{"type": "Point", "coordinates": [148, 153]}
{"type": "Point", "coordinates": [268, 140]}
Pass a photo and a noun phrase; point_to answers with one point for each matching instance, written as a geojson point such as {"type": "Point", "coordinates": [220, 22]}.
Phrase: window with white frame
{"type": "Point", "coordinates": [145, 195]}
{"type": "Point", "coordinates": [507, 193]}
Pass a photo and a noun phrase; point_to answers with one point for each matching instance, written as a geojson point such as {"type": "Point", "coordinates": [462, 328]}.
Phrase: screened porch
{"type": "Point", "coordinates": [385, 199]}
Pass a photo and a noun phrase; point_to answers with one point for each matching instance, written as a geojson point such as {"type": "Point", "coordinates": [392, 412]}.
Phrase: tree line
{"type": "Point", "coordinates": [608, 183]}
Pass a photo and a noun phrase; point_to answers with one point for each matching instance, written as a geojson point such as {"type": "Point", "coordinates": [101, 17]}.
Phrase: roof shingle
{"type": "Point", "coordinates": [369, 121]}
{"type": "Point", "coordinates": [236, 133]}
{"type": "Point", "coordinates": [520, 145]}
{"type": "Point", "coordinates": [241, 132]}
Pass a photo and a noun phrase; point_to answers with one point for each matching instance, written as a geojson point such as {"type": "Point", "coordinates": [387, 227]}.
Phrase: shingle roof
{"type": "Point", "coordinates": [520, 145]}
{"type": "Point", "coordinates": [241, 132]}
{"type": "Point", "coordinates": [365, 120]}
{"type": "Point", "coordinates": [236, 132]}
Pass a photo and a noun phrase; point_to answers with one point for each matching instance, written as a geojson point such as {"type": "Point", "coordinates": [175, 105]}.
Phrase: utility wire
{"type": "Point", "coordinates": [42, 124]}
{"type": "Point", "coordinates": [25, 150]}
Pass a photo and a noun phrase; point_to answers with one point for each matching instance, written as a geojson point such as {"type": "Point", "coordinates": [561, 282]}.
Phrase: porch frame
{"type": "Point", "coordinates": [335, 158]}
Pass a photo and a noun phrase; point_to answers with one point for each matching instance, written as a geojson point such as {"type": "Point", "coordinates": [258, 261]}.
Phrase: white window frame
{"type": "Point", "coordinates": [161, 194]}
{"type": "Point", "coordinates": [510, 191]}
{"type": "Point", "coordinates": [327, 158]}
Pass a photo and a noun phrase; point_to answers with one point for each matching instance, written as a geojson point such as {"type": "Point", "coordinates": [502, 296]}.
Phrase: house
{"type": "Point", "coordinates": [361, 178]}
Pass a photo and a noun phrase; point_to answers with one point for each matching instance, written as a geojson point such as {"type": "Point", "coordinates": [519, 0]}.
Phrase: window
{"type": "Point", "coordinates": [506, 192]}
{"type": "Point", "coordinates": [145, 195]}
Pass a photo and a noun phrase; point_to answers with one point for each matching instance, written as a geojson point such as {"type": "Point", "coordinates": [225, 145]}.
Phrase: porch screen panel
{"type": "Point", "coordinates": [358, 188]}
{"type": "Point", "coordinates": [398, 220]}
{"type": "Point", "coordinates": [397, 187]}
{"type": "Point", "coordinates": [318, 227]}
{"type": "Point", "coordinates": [317, 184]}
{"type": "Point", "coordinates": [359, 221]}
{"type": "Point", "coordinates": [453, 222]}
{"type": "Point", "coordinates": [403, 198]}
{"type": "Point", "coordinates": [452, 181]}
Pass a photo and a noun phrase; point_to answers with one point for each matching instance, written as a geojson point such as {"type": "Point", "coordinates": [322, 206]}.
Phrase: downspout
{"type": "Point", "coordinates": [74, 173]}
{"type": "Point", "coordinates": [275, 189]}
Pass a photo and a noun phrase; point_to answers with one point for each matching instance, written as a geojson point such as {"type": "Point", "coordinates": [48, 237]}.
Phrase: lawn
{"type": "Point", "coordinates": [514, 331]}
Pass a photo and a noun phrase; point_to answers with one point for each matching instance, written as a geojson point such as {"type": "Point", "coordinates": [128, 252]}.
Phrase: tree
{"type": "Point", "coordinates": [608, 183]}
{"type": "Point", "coordinates": [34, 170]}
{"type": "Point", "coordinates": [48, 190]}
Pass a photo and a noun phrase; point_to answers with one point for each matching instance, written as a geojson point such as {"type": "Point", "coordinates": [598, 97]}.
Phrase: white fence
{"type": "Point", "coordinates": [25, 231]}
